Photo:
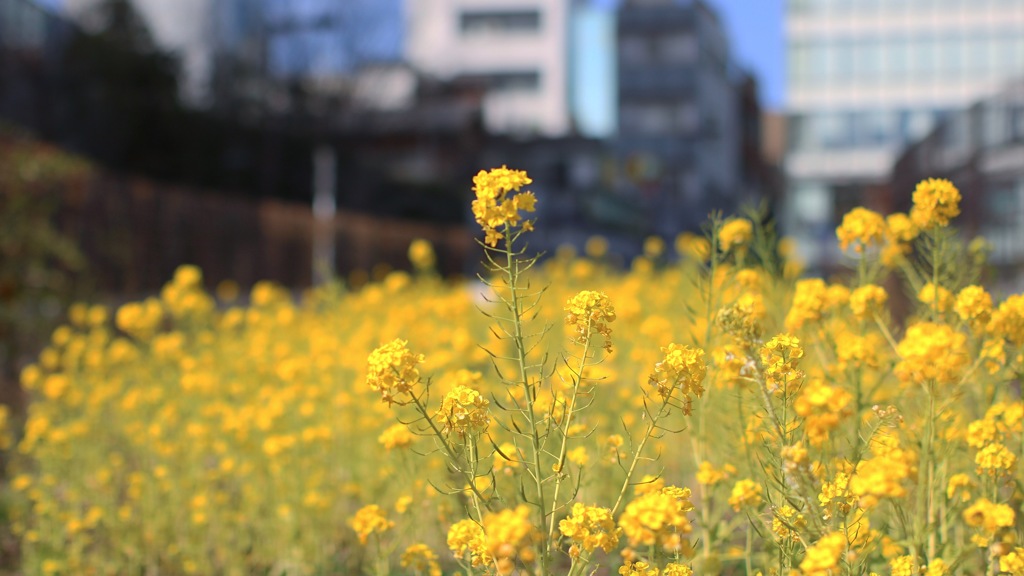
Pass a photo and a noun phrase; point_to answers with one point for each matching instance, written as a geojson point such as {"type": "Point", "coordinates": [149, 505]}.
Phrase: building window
{"type": "Point", "coordinates": [687, 118]}
{"type": "Point", "coordinates": [677, 48]}
{"type": "Point", "coordinates": [1018, 130]}
{"type": "Point", "coordinates": [507, 81]}
{"type": "Point", "coordinates": [647, 118]}
{"type": "Point", "coordinates": [917, 124]}
{"type": "Point", "coordinates": [877, 127]}
{"type": "Point", "coordinates": [634, 50]}
{"type": "Point", "coordinates": [996, 126]}
{"type": "Point", "coordinates": [830, 130]}
{"type": "Point", "coordinates": [504, 22]}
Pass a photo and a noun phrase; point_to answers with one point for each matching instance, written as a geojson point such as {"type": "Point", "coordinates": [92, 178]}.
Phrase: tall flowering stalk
{"type": "Point", "coordinates": [497, 208]}
{"type": "Point", "coordinates": [457, 425]}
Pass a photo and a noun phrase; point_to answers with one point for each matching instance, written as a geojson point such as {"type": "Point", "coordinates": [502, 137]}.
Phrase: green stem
{"type": "Point", "coordinates": [422, 410]}
{"type": "Point", "coordinates": [565, 431]}
{"type": "Point", "coordinates": [512, 269]}
{"type": "Point", "coordinates": [926, 478]}
{"type": "Point", "coordinates": [749, 551]}
{"type": "Point", "coordinates": [636, 456]}
{"type": "Point", "coordinates": [700, 442]}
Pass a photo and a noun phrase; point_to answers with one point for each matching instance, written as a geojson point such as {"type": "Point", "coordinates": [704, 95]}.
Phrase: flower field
{"type": "Point", "coordinates": [705, 412]}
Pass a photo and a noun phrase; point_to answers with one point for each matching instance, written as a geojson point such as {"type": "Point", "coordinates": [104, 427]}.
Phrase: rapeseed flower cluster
{"type": "Point", "coordinates": [589, 528]}
{"type": "Point", "coordinates": [370, 520]}
{"type": "Point", "coordinates": [494, 209]}
{"type": "Point", "coordinates": [463, 411]}
{"type": "Point", "coordinates": [936, 202]}
{"type": "Point", "coordinates": [932, 352]}
{"type": "Point", "coordinates": [198, 435]}
{"type": "Point", "coordinates": [393, 372]}
{"type": "Point", "coordinates": [658, 518]}
{"type": "Point", "coordinates": [781, 358]}
{"type": "Point", "coordinates": [589, 312]}
{"type": "Point", "coordinates": [735, 235]}
{"type": "Point", "coordinates": [499, 543]}
{"type": "Point", "coordinates": [682, 369]}
{"type": "Point", "coordinates": [862, 229]}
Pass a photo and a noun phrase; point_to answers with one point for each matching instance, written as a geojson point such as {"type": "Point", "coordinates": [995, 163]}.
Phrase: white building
{"type": "Point", "coordinates": [867, 76]}
{"type": "Point", "coordinates": [519, 48]}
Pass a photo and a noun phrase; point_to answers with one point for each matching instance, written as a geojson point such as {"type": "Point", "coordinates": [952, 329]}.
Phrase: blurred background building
{"type": "Point", "coordinates": [981, 148]}
{"type": "Point", "coordinates": [867, 77]}
{"type": "Point", "coordinates": [678, 137]}
{"type": "Point", "coordinates": [633, 116]}
{"type": "Point", "coordinates": [518, 51]}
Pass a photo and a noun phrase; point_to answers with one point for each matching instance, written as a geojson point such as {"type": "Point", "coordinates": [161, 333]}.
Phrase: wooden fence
{"type": "Point", "coordinates": [135, 233]}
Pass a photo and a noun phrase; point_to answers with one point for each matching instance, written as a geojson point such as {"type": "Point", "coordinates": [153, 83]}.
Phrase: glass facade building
{"type": "Point", "coordinates": [866, 77]}
{"type": "Point", "coordinates": [678, 139]}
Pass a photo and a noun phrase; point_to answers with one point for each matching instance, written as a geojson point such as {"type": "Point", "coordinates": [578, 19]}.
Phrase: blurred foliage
{"type": "Point", "coordinates": [38, 264]}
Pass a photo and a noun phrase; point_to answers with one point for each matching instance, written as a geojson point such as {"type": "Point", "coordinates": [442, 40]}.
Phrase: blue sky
{"type": "Point", "coordinates": [755, 31]}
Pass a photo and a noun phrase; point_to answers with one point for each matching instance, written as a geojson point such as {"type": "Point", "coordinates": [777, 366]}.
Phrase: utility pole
{"type": "Point", "coordinates": [324, 210]}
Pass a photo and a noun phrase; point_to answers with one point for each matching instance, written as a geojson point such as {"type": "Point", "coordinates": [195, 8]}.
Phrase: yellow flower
{"type": "Point", "coordinates": [578, 456]}
{"type": "Point", "coordinates": [421, 254]}
{"type": "Point", "coordinates": [932, 352]}
{"type": "Point", "coordinates": [504, 538]}
{"type": "Point", "coordinates": [988, 516]}
{"type": "Point", "coordinates": [836, 296]}
{"type": "Point", "coordinates": [466, 537]}
{"type": "Point", "coordinates": [960, 484]}
{"type": "Point", "coordinates": [786, 521]}
{"type": "Point", "coordinates": [902, 566]}
{"type": "Point", "coordinates": [653, 247]}
{"type": "Point", "coordinates": [590, 312]}
{"type": "Point", "coordinates": [693, 246]}
{"type": "Point", "coordinates": [822, 407]}
{"type": "Point", "coordinates": [596, 247]}
{"type": "Point", "coordinates": [868, 300]}
{"type": "Point", "coordinates": [422, 559]}
{"type": "Point", "coordinates": [835, 497]}
{"type": "Point", "coordinates": [591, 527]}
{"type": "Point", "coordinates": [735, 234]}
{"type": "Point", "coordinates": [396, 436]}
{"type": "Point", "coordinates": [1012, 563]}
{"type": "Point", "coordinates": [974, 306]}
{"type": "Point", "coordinates": [861, 228]}
{"type": "Point", "coordinates": [900, 227]}
{"type": "Point", "coordinates": [369, 520]}
{"type": "Point", "coordinates": [392, 372]}
{"type": "Point", "coordinates": [780, 357]}
{"type": "Point", "coordinates": [638, 568]}
{"type": "Point", "coordinates": [883, 475]}
{"type": "Point", "coordinates": [809, 301]}
{"type": "Point", "coordinates": [937, 567]}
{"type": "Point", "coordinates": [683, 368]}
{"type": "Point", "coordinates": [658, 519]}
{"type": "Point", "coordinates": [937, 298]}
{"type": "Point", "coordinates": [1008, 320]}
{"type": "Point", "coordinates": [494, 208]}
{"type": "Point", "coordinates": [823, 557]}
{"type": "Point", "coordinates": [900, 232]}
{"type": "Point", "coordinates": [936, 202]}
{"type": "Point", "coordinates": [672, 569]}
{"type": "Point", "coordinates": [995, 460]}
{"type": "Point", "coordinates": [745, 494]}
{"type": "Point", "coordinates": [463, 410]}
{"type": "Point", "coordinates": [707, 475]}
{"type": "Point", "coordinates": [403, 503]}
